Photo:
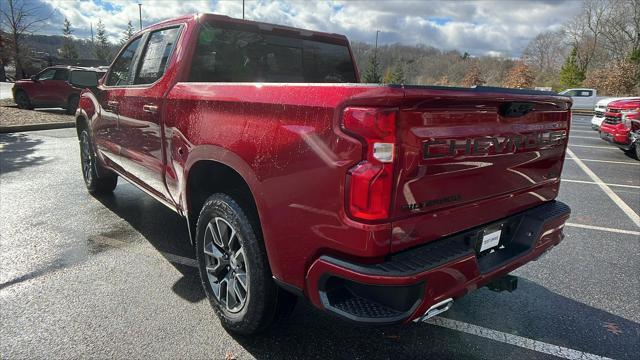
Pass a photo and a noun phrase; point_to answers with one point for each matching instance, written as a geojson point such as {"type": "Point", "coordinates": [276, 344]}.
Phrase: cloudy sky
{"type": "Point", "coordinates": [479, 27]}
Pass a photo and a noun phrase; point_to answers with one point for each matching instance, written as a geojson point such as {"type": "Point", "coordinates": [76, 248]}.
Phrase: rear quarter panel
{"type": "Point", "coordinates": [284, 139]}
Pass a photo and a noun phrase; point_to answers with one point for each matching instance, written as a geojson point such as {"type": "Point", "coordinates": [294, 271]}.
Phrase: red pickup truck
{"type": "Point", "coordinates": [621, 125]}
{"type": "Point", "coordinates": [379, 204]}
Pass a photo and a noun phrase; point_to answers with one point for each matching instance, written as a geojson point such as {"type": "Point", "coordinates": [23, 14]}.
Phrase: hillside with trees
{"type": "Point", "coordinates": [598, 48]}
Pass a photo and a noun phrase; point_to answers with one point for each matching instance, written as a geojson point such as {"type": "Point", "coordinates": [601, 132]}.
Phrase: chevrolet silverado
{"type": "Point", "coordinates": [379, 204]}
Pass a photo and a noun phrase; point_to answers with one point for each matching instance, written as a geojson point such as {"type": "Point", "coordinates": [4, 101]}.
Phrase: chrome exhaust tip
{"type": "Point", "coordinates": [436, 309]}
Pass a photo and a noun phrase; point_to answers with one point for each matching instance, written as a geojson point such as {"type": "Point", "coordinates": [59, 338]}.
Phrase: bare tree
{"type": "Point", "coordinates": [519, 77]}
{"type": "Point", "coordinates": [621, 33]}
{"type": "Point", "coordinates": [473, 77]}
{"type": "Point", "coordinates": [585, 30]}
{"type": "Point", "coordinates": [545, 52]}
{"type": "Point", "coordinates": [20, 19]}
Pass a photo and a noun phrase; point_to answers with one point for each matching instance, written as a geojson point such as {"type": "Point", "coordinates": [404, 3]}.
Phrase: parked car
{"type": "Point", "coordinates": [583, 99]}
{"type": "Point", "coordinates": [600, 109]}
{"type": "Point", "coordinates": [622, 125]}
{"type": "Point", "coordinates": [56, 86]}
{"type": "Point", "coordinates": [380, 204]}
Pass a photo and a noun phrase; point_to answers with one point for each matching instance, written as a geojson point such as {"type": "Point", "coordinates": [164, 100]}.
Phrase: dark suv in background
{"type": "Point", "coordinates": [57, 86]}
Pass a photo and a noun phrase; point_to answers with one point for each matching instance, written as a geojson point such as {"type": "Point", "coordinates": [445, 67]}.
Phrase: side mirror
{"type": "Point", "coordinates": [34, 78]}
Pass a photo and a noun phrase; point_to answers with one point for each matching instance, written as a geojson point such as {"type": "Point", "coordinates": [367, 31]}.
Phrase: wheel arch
{"type": "Point", "coordinates": [207, 176]}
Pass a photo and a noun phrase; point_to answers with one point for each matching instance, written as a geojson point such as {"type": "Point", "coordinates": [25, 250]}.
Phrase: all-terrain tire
{"type": "Point", "coordinates": [264, 301]}
{"type": "Point", "coordinates": [97, 179]}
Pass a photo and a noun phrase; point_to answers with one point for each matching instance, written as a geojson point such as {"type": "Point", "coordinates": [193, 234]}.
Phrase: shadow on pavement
{"type": "Point", "coordinates": [532, 312]}
{"type": "Point", "coordinates": [16, 152]}
{"type": "Point", "coordinates": [162, 228]}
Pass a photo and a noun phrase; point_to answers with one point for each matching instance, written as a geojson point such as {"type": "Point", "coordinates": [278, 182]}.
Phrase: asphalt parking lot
{"type": "Point", "coordinates": [114, 277]}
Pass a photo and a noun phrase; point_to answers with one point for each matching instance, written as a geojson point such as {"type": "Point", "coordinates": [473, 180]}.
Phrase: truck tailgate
{"type": "Point", "coordinates": [494, 153]}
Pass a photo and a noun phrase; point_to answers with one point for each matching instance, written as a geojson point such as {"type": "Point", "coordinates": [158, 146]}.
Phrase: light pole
{"type": "Point", "coordinates": [140, 13]}
{"type": "Point", "coordinates": [375, 52]}
{"type": "Point", "coordinates": [242, 9]}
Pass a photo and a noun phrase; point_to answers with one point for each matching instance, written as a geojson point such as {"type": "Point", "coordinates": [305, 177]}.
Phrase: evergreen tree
{"type": "Point", "coordinates": [398, 75]}
{"type": "Point", "coordinates": [127, 34]}
{"type": "Point", "coordinates": [372, 74]}
{"type": "Point", "coordinates": [102, 43]}
{"type": "Point", "coordinates": [570, 74]}
{"type": "Point", "coordinates": [68, 50]}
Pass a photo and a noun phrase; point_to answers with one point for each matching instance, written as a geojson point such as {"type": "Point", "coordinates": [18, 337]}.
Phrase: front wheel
{"type": "Point", "coordinates": [234, 269]}
{"type": "Point", "coordinates": [97, 179]}
{"type": "Point", "coordinates": [22, 100]}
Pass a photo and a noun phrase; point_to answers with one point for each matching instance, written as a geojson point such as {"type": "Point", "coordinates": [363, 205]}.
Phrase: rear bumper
{"type": "Point", "coordinates": [408, 283]}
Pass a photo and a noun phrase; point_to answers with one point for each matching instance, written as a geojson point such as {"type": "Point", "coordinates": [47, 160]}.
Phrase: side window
{"type": "Point", "coordinates": [572, 93]}
{"type": "Point", "coordinates": [47, 74]}
{"type": "Point", "coordinates": [61, 74]}
{"type": "Point", "coordinates": [121, 70]}
{"type": "Point", "coordinates": [156, 55]}
{"type": "Point", "coordinates": [82, 78]}
{"type": "Point", "coordinates": [585, 93]}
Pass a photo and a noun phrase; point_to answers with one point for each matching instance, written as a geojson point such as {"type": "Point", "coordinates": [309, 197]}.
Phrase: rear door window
{"type": "Point", "coordinates": [83, 79]}
{"type": "Point", "coordinates": [156, 55]}
{"type": "Point", "coordinates": [585, 93]}
{"type": "Point", "coordinates": [229, 55]}
{"type": "Point", "coordinates": [122, 69]}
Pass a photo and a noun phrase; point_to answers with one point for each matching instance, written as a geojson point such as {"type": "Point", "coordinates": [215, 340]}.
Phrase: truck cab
{"type": "Point", "coordinates": [583, 99]}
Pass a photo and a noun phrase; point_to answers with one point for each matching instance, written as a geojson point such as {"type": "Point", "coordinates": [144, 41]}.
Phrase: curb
{"type": "Point", "coordinates": [37, 127]}
{"type": "Point", "coordinates": [582, 112]}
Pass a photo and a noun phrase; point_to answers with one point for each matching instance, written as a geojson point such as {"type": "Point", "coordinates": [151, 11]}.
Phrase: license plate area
{"type": "Point", "coordinates": [491, 238]}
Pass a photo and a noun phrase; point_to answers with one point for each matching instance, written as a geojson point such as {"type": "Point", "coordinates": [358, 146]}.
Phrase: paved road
{"type": "Point", "coordinates": [111, 277]}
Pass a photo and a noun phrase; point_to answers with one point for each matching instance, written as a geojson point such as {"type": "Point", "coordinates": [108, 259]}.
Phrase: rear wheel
{"type": "Point", "coordinates": [22, 100]}
{"type": "Point", "coordinates": [72, 105]}
{"type": "Point", "coordinates": [637, 149]}
{"type": "Point", "coordinates": [97, 179]}
{"type": "Point", "coordinates": [234, 269]}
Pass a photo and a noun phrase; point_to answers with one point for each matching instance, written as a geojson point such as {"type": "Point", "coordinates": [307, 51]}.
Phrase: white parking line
{"type": "Point", "coordinates": [585, 131]}
{"type": "Point", "coordinates": [595, 183]}
{"type": "Point", "coordinates": [607, 190]}
{"type": "Point", "coordinates": [584, 137]}
{"type": "Point", "coordinates": [486, 333]}
{"type": "Point", "coordinates": [612, 162]}
{"type": "Point", "coordinates": [515, 340]}
{"type": "Point", "coordinates": [180, 259]}
{"type": "Point", "coordinates": [591, 227]}
{"type": "Point", "coordinates": [595, 147]}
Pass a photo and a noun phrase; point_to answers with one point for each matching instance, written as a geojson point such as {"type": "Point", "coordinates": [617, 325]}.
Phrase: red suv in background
{"type": "Point", "coordinates": [621, 125]}
{"type": "Point", "coordinates": [57, 86]}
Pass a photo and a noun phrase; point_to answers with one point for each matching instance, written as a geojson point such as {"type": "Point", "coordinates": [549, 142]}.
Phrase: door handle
{"type": "Point", "coordinates": [150, 108]}
{"type": "Point", "coordinates": [112, 105]}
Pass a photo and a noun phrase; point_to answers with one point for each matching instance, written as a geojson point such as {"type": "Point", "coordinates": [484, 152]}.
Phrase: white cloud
{"type": "Point", "coordinates": [478, 27]}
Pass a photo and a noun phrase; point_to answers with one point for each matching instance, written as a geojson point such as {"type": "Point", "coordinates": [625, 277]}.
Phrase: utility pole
{"type": "Point", "coordinates": [91, 33]}
{"type": "Point", "coordinates": [375, 51]}
{"type": "Point", "coordinates": [140, 13]}
{"type": "Point", "coordinates": [242, 9]}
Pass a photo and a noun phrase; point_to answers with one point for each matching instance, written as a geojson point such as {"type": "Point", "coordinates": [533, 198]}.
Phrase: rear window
{"type": "Point", "coordinates": [227, 55]}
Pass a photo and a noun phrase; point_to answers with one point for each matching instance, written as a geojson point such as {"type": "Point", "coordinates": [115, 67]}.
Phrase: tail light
{"type": "Point", "coordinates": [369, 183]}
